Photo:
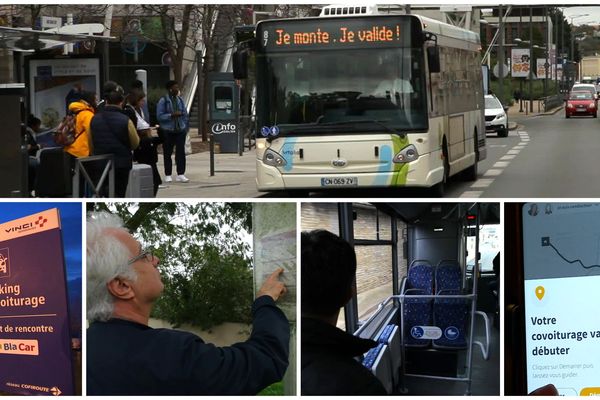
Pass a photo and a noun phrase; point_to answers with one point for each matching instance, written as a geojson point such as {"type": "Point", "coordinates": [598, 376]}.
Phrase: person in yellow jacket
{"type": "Point", "coordinates": [85, 110]}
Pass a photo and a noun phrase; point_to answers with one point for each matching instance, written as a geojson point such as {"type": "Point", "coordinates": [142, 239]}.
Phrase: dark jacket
{"type": "Point", "coordinates": [147, 152]}
{"type": "Point", "coordinates": [126, 358]}
{"type": "Point", "coordinates": [110, 135]}
{"type": "Point", "coordinates": [130, 112]}
{"type": "Point", "coordinates": [328, 364]}
{"type": "Point", "coordinates": [29, 140]}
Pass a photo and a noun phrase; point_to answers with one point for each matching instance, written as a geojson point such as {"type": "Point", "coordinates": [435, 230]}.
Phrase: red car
{"type": "Point", "coordinates": [581, 103]}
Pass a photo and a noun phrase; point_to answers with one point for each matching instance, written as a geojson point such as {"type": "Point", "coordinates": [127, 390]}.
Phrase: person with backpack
{"type": "Point", "coordinates": [83, 111]}
{"type": "Point", "coordinates": [174, 124]}
{"type": "Point", "coordinates": [114, 133]}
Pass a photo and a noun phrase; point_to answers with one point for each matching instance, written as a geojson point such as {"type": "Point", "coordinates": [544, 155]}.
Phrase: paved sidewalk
{"type": "Point", "coordinates": [234, 176]}
{"type": "Point", "coordinates": [514, 110]}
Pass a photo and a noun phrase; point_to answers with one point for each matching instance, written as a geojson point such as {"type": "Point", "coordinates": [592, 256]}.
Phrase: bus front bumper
{"type": "Point", "coordinates": [421, 173]}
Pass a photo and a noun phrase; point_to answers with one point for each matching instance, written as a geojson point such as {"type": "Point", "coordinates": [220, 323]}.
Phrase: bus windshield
{"type": "Point", "coordinates": [328, 91]}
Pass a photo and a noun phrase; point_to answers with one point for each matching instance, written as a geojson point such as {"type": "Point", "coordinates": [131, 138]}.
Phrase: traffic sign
{"type": "Point", "coordinates": [496, 70]}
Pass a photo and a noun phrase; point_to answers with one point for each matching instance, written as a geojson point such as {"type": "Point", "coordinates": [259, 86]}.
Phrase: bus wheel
{"type": "Point", "coordinates": [297, 193]}
{"type": "Point", "coordinates": [470, 174]}
{"type": "Point", "coordinates": [440, 188]}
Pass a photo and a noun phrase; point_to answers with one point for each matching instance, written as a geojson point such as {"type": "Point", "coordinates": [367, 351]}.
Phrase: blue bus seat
{"type": "Point", "coordinates": [450, 315]}
{"type": "Point", "coordinates": [417, 312]}
{"type": "Point", "coordinates": [390, 335]}
{"type": "Point", "coordinates": [378, 361]}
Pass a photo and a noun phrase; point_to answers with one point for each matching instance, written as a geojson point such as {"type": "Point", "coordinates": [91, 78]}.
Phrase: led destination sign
{"type": "Point", "coordinates": [337, 33]}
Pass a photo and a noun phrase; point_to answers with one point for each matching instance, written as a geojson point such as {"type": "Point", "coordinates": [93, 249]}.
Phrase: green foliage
{"type": "Point", "coordinates": [510, 85]}
{"type": "Point", "coordinates": [275, 389]}
{"type": "Point", "coordinates": [216, 291]}
{"type": "Point", "coordinates": [205, 264]}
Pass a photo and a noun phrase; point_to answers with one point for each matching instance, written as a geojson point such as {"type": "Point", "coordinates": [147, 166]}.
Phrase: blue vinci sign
{"type": "Point", "coordinates": [35, 340]}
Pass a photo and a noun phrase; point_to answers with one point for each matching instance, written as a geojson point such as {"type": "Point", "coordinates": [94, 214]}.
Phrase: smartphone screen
{"type": "Point", "coordinates": [561, 250]}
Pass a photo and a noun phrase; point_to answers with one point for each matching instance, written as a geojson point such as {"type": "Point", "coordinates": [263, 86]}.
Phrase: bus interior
{"type": "Point", "coordinates": [415, 270]}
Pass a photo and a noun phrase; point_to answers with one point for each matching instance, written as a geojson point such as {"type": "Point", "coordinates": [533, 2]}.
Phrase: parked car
{"type": "Point", "coordinates": [581, 103]}
{"type": "Point", "coordinates": [495, 116]}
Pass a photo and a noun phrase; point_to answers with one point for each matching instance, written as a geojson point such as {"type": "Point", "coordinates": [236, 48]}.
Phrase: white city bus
{"type": "Point", "coordinates": [358, 100]}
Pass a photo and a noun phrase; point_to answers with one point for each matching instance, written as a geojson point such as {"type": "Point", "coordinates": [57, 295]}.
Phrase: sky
{"type": "Point", "coordinates": [70, 215]}
{"type": "Point", "coordinates": [593, 18]}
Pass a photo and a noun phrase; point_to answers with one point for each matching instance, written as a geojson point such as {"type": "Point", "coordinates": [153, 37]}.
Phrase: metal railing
{"type": "Point", "coordinates": [550, 102]}
{"type": "Point", "coordinates": [96, 187]}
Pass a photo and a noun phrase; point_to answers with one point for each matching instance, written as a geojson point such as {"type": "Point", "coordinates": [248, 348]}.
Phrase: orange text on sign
{"type": "Point", "coordinates": [19, 347]}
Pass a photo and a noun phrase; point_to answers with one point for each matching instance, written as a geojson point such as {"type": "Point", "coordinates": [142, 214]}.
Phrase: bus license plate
{"type": "Point", "coordinates": [347, 181]}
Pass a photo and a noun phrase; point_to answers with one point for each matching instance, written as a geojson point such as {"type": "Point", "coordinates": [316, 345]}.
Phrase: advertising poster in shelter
{"type": "Point", "coordinates": [520, 62]}
{"type": "Point", "coordinates": [52, 82]}
{"type": "Point", "coordinates": [541, 69]}
{"type": "Point", "coordinates": [35, 337]}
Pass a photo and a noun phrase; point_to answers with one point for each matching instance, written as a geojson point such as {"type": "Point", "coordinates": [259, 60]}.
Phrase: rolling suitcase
{"type": "Point", "coordinates": [54, 173]}
{"type": "Point", "coordinates": [141, 183]}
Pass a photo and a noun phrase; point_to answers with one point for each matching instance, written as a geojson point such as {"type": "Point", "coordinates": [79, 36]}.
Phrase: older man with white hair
{"type": "Point", "coordinates": [127, 357]}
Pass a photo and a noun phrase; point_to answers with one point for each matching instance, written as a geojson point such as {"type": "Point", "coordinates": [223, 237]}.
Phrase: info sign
{"type": "Point", "coordinates": [334, 33]}
{"type": "Point", "coordinates": [35, 351]}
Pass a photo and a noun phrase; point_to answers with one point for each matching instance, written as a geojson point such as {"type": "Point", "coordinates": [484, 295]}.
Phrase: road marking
{"type": "Point", "coordinates": [471, 194]}
{"type": "Point", "coordinates": [497, 169]}
{"type": "Point", "coordinates": [493, 172]}
{"type": "Point", "coordinates": [482, 183]}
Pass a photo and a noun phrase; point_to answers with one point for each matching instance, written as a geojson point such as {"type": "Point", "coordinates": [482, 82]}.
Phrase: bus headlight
{"type": "Point", "coordinates": [407, 154]}
{"type": "Point", "coordinates": [273, 158]}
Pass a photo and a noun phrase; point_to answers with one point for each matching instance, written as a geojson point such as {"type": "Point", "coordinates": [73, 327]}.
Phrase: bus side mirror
{"type": "Point", "coordinates": [433, 59]}
{"type": "Point", "coordinates": [240, 64]}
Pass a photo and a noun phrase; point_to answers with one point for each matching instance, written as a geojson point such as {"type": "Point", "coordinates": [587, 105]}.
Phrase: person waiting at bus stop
{"type": "Point", "coordinates": [173, 119]}
{"type": "Point", "coordinates": [328, 353]}
{"type": "Point", "coordinates": [127, 357]}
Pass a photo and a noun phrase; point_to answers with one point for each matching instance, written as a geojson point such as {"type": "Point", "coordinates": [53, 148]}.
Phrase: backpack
{"type": "Point", "coordinates": [65, 134]}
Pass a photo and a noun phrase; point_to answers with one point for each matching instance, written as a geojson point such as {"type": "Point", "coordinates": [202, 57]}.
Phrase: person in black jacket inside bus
{"type": "Point", "coordinates": [127, 357]}
{"type": "Point", "coordinates": [329, 366]}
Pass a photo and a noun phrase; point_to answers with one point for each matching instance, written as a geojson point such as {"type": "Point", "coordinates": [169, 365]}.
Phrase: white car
{"type": "Point", "coordinates": [585, 87]}
{"type": "Point", "coordinates": [495, 116]}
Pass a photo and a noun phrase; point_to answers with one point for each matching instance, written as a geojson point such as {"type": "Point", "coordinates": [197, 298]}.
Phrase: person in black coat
{"type": "Point", "coordinates": [329, 365]}
{"type": "Point", "coordinates": [113, 133]}
{"type": "Point", "coordinates": [125, 356]}
{"type": "Point", "coordinates": [33, 127]}
{"type": "Point", "coordinates": [147, 151]}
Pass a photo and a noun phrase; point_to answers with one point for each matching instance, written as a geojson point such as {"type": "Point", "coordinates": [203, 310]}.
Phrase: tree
{"type": "Point", "coordinates": [205, 262]}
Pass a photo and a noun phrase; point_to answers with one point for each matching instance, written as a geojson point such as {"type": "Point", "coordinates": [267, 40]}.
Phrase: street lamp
{"type": "Point", "coordinates": [572, 17]}
{"type": "Point", "coordinates": [521, 42]}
